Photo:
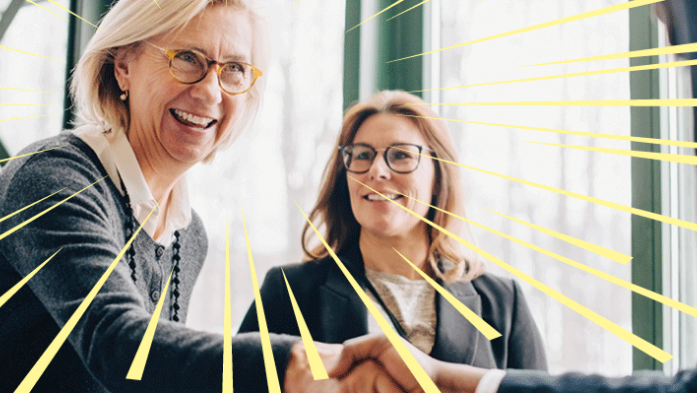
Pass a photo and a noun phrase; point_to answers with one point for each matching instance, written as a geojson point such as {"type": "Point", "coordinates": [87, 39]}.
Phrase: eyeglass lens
{"type": "Point", "coordinates": [191, 67]}
{"type": "Point", "coordinates": [401, 158]}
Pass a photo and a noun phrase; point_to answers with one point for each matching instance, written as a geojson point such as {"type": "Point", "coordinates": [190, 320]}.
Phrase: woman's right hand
{"type": "Point", "coordinates": [366, 376]}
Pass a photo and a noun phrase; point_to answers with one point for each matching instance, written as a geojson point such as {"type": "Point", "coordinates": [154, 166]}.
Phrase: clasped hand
{"type": "Point", "coordinates": [367, 364]}
{"type": "Point", "coordinates": [370, 364]}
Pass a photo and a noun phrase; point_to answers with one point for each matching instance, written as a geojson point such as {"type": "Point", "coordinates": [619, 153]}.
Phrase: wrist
{"type": "Point", "coordinates": [457, 378]}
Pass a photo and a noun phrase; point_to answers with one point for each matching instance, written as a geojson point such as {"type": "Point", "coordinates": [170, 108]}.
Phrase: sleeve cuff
{"type": "Point", "coordinates": [491, 381]}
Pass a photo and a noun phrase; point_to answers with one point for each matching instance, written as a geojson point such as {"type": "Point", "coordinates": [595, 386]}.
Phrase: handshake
{"type": "Point", "coordinates": [370, 364]}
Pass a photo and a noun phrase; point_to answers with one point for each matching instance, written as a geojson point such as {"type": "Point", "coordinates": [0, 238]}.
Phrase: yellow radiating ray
{"type": "Point", "coordinates": [29, 53]}
{"type": "Point", "coordinates": [575, 74]}
{"type": "Point", "coordinates": [602, 11]}
{"type": "Point", "coordinates": [135, 372]}
{"type": "Point", "coordinates": [684, 48]}
{"type": "Point", "coordinates": [643, 213]}
{"type": "Point", "coordinates": [679, 158]}
{"type": "Point", "coordinates": [271, 377]}
{"type": "Point", "coordinates": [27, 90]}
{"type": "Point", "coordinates": [316, 366]}
{"type": "Point", "coordinates": [74, 14]}
{"type": "Point", "coordinates": [600, 274]}
{"type": "Point", "coordinates": [607, 253]}
{"type": "Point", "coordinates": [29, 154]}
{"type": "Point", "coordinates": [19, 226]}
{"type": "Point", "coordinates": [46, 9]}
{"type": "Point", "coordinates": [654, 141]}
{"type": "Point", "coordinates": [227, 339]}
{"type": "Point", "coordinates": [419, 373]}
{"type": "Point", "coordinates": [390, 6]}
{"type": "Point", "coordinates": [425, 1]}
{"type": "Point", "coordinates": [481, 325]}
{"type": "Point", "coordinates": [158, 6]}
{"type": "Point", "coordinates": [35, 373]}
{"type": "Point", "coordinates": [651, 102]}
{"type": "Point", "coordinates": [28, 206]}
{"type": "Point", "coordinates": [27, 117]}
{"type": "Point", "coordinates": [606, 324]}
{"type": "Point", "coordinates": [296, 3]}
{"type": "Point", "coordinates": [27, 104]}
{"type": "Point", "coordinates": [4, 298]}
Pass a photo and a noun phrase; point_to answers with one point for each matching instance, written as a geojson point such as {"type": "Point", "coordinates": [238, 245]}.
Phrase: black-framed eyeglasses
{"type": "Point", "coordinates": [189, 66]}
{"type": "Point", "coordinates": [400, 157]}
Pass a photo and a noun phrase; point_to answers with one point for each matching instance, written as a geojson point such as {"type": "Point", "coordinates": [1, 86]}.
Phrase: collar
{"type": "Point", "coordinates": [119, 160]}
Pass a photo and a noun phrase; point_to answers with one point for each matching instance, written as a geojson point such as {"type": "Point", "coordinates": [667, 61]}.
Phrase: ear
{"type": "Point", "coordinates": [122, 62]}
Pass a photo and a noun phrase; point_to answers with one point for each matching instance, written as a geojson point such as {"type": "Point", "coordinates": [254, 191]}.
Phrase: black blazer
{"type": "Point", "coordinates": [640, 382]}
{"type": "Point", "coordinates": [334, 313]}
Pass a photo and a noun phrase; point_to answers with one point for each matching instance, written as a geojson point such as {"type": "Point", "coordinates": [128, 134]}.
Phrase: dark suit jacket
{"type": "Point", "coordinates": [334, 313]}
{"type": "Point", "coordinates": [641, 382]}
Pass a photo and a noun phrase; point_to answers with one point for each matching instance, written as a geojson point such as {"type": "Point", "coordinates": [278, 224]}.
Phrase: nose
{"type": "Point", "coordinates": [379, 169]}
{"type": "Point", "coordinates": [207, 90]}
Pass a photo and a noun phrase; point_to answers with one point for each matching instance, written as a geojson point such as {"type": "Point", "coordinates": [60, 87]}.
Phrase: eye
{"type": "Point", "coordinates": [235, 68]}
{"type": "Point", "coordinates": [188, 57]}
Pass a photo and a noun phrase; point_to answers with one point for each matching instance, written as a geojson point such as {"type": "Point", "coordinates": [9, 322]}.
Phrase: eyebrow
{"type": "Point", "coordinates": [226, 59]}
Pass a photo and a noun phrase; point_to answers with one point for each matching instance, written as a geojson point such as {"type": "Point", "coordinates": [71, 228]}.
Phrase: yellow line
{"type": "Point", "coordinates": [607, 253]}
{"type": "Point", "coordinates": [28, 90]}
{"type": "Point", "coordinates": [683, 159]}
{"type": "Point", "coordinates": [589, 73]}
{"type": "Point", "coordinates": [608, 325]}
{"type": "Point", "coordinates": [316, 366]}
{"type": "Point", "coordinates": [602, 11]}
{"type": "Point", "coordinates": [481, 325]}
{"type": "Point", "coordinates": [667, 50]}
{"type": "Point", "coordinates": [654, 141]}
{"type": "Point", "coordinates": [29, 154]}
{"type": "Point", "coordinates": [35, 373]}
{"type": "Point", "coordinates": [158, 6]}
{"type": "Point", "coordinates": [393, 4]}
{"type": "Point", "coordinates": [227, 339]}
{"type": "Point", "coordinates": [632, 210]}
{"type": "Point", "coordinates": [28, 53]}
{"type": "Point", "coordinates": [296, 3]}
{"type": "Point", "coordinates": [74, 14]}
{"type": "Point", "coordinates": [421, 377]}
{"type": "Point", "coordinates": [600, 274]}
{"type": "Point", "coordinates": [28, 206]}
{"type": "Point", "coordinates": [271, 376]}
{"type": "Point", "coordinates": [46, 9]}
{"type": "Point", "coordinates": [27, 104]}
{"type": "Point", "coordinates": [4, 298]}
{"type": "Point", "coordinates": [652, 102]}
{"type": "Point", "coordinates": [16, 228]}
{"type": "Point", "coordinates": [425, 1]}
{"type": "Point", "coordinates": [135, 372]}
{"type": "Point", "coordinates": [27, 117]}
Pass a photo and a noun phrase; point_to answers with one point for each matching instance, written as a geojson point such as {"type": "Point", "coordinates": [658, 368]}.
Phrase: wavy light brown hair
{"type": "Point", "coordinates": [333, 214]}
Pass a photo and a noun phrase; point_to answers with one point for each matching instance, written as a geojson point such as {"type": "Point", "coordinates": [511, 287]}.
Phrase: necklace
{"type": "Point", "coordinates": [131, 253]}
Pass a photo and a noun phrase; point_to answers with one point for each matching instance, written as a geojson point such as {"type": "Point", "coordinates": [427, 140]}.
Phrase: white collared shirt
{"type": "Point", "coordinates": [117, 156]}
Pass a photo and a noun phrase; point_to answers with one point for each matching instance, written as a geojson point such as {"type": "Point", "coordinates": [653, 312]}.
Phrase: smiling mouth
{"type": "Point", "coordinates": [378, 198]}
{"type": "Point", "coordinates": [190, 120]}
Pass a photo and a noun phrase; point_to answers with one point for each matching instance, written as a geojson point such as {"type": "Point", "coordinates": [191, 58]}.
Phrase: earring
{"type": "Point", "coordinates": [124, 96]}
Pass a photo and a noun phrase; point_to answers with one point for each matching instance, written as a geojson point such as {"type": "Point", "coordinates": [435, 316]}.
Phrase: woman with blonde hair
{"type": "Point", "coordinates": [386, 146]}
{"type": "Point", "coordinates": [161, 87]}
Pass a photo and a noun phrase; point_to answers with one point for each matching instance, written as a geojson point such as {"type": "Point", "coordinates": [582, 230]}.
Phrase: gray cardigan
{"type": "Point", "coordinates": [90, 228]}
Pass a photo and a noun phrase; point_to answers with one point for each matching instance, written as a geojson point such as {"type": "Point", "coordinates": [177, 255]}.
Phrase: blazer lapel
{"type": "Point", "coordinates": [457, 340]}
{"type": "Point", "coordinates": [342, 313]}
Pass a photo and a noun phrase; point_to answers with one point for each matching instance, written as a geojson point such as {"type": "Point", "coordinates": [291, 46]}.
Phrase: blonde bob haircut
{"type": "Point", "coordinates": [94, 88]}
{"type": "Point", "coordinates": [333, 212]}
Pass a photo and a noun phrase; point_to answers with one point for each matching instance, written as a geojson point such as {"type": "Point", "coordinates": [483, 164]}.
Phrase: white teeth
{"type": "Point", "coordinates": [202, 121]}
{"type": "Point", "coordinates": [376, 197]}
